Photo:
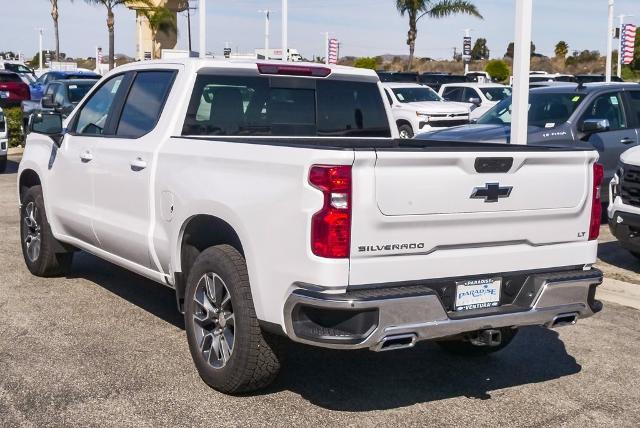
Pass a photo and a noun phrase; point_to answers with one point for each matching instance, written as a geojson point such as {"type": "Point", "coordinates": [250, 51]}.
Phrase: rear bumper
{"type": "Point", "coordinates": [372, 317]}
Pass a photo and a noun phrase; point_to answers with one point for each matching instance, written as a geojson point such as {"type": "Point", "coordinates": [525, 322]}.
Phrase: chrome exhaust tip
{"type": "Point", "coordinates": [564, 320]}
{"type": "Point", "coordinates": [400, 341]}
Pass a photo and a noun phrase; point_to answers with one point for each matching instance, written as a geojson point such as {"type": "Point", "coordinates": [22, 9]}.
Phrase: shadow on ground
{"type": "Point", "coordinates": [614, 254]}
{"type": "Point", "coordinates": [12, 166]}
{"type": "Point", "coordinates": [358, 381]}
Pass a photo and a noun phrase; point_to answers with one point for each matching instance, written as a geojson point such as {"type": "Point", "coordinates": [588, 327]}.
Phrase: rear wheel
{"type": "Point", "coordinates": [38, 244]}
{"type": "Point", "coordinates": [229, 349]}
{"type": "Point", "coordinates": [406, 131]}
{"type": "Point", "coordinates": [472, 344]}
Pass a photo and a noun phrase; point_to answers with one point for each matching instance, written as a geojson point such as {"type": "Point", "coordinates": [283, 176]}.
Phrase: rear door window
{"type": "Point", "coordinates": [634, 105]}
{"type": "Point", "coordinates": [144, 103]}
{"type": "Point", "coordinates": [285, 106]}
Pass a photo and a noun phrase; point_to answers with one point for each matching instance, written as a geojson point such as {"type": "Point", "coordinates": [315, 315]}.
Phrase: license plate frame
{"type": "Point", "coordinates": [479, 293]}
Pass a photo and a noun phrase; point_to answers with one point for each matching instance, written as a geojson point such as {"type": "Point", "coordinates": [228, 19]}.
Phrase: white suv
{"type": "Point", "coordinates": [481, 97]}
{"type": "Point", "coordinates": [418, 108]}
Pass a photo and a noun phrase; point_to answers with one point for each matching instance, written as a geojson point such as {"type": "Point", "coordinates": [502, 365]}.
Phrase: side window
{"type": "Point", "coordinates": [607, 106]}
{"type": "Point", "coordinates": [92, 119]}
{"type": "Point", "coordinates": [50, 91]}
{"type": "Point", "coordinates": [634, 101]}
{"type": "Point", "coordinates": [388, 97]}
{"type": "Point", "coordinates": [452, 94]}
{"type": "Point", "coordinates": [59, 95]}
{"type": "Point", "coordinates": [469, 93]}
{"type": "Point", "coordinates": [144, 103]}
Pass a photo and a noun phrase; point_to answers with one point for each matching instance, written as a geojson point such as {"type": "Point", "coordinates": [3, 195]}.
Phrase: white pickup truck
{"type": "Point", "coordinates": [277, 200]}
{"type": "Point", "coordinates": [4, 142]}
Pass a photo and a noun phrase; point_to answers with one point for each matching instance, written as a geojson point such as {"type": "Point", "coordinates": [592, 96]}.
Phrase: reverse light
{"type": "Point", "coordinates": [596, 203]}
{"type": "Point", "coordinates": [331, 226]}
{"type": "Point", "coordinates": [294, 70]}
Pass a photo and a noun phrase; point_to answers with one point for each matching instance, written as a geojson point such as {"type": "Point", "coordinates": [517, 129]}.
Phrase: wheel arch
{"type": "Point", "coordinates": [198, 233]}
{"type": "Point", "coordinates": [28, 179]}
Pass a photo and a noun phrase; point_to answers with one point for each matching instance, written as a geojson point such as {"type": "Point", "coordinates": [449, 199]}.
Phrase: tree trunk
{"type": "Point", "coordinates": [55, 16]}
{"type": "Point", "coordinates": [110, 25]}
{"type": "Point", "coordinates": [411, 38]}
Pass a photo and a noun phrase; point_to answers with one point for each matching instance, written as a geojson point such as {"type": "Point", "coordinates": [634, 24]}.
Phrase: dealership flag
{"type": "Point", "coordinates": [628, 42]}
{"type": "Point", "coordinates": [334, 47]}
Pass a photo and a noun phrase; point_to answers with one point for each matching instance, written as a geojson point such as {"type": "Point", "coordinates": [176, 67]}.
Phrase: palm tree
{"type": "Point", "coordinates": [161, 20]}
{"type": "Point", "coordinates": [55, 15]}
{"type": "Point", "coordinates": [417, 9]}
{"type": "Point", "coordinates": [562, 49]}
{"type": "Point", "coordinates": [110, 5]}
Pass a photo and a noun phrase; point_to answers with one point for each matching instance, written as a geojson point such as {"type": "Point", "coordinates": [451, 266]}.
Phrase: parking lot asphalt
{"type": "Point", "coordinates": [104, 347]}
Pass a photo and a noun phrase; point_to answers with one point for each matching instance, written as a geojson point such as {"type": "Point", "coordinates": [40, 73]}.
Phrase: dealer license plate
{"type": "Point", "coordinates": [478, 293]}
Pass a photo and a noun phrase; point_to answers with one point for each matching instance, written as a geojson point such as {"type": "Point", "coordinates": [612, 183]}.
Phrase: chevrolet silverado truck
{"type": "Point", "coordinates": [277, 201]}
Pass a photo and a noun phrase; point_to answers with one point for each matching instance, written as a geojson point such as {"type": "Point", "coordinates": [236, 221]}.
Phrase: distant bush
{"type": "Point", "coordinates": [366, 62]}
{"type": "Point", "coordinates": [498, 70]}
{"type": "Point", "coordinates": [14, 126]}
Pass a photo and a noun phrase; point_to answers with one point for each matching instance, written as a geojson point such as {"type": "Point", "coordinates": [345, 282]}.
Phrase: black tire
{"type": "Point", "coordinates": [405, 130]}
{"type": "Point", "coordinates": [464, 347]}
{"type": "Point", "coordinates": [635, 254]}
{"type": "Point", "coordinates": [46, 262]}
{"type": "Point", "coordinates": [3, 164]}
{"type": "Point", "coordinates": [252, 362]}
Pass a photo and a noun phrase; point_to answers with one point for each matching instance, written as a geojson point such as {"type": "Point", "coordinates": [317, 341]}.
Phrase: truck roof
{"type": "Point", "coordinates": [247, 64]}
{"type": "Point", "coordinates": [587, 88]}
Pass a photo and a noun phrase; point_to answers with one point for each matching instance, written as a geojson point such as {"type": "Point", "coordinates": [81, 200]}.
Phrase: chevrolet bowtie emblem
{"type": "Point", "coordinates": [491, 192]}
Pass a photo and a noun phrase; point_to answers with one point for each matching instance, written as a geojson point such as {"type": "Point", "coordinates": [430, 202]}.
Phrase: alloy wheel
{"type": "Point", "coordinates": [32, 232]}
{"type": "Point", "coordinates": [213, 320]}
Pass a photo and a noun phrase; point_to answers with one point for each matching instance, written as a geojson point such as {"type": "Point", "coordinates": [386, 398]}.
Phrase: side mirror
{"type": "Point", "coordinates": [47, 101]}
{"type": "Point", "coordinates": [594, 126]}
{"type": "Point", "coordinates": [47, 124]}
{"type": "Point", "coordinates": [475, 101]}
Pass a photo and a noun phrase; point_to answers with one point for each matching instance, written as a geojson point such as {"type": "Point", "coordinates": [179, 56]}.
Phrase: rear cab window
{"type": "Point", "coordinates": [285, 106]}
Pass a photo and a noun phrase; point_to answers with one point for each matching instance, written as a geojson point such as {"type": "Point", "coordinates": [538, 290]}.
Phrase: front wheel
{"type": "Point", "coordinates": [406, 131]}
{"type": "Point", "coordinates": [38, 243]}
{"type": "Point", "coordinates": [231, 353]}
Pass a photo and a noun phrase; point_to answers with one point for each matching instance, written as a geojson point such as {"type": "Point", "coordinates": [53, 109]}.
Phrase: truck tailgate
{"type": "Point", "coordinates": [432, 213]}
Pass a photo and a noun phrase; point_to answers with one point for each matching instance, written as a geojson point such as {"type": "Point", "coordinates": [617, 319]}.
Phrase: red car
{"type": "Point", "coordinates": [12, 89]}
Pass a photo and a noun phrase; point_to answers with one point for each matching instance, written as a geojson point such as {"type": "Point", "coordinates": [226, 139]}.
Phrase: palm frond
{"type": "Point", "coordinates": [445, 8]}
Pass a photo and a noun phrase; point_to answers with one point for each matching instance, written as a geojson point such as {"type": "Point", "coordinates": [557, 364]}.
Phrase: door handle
{"type": "Point", "coordinates": [138, 164]}
{"type": "Point", "coordinates": [86, 156]}
{"type": "Point", "coordinates": [627, 141]}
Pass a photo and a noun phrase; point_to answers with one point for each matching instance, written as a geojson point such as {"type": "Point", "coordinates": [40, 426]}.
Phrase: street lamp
{"type": "Point", "coordinates": [609, 42]}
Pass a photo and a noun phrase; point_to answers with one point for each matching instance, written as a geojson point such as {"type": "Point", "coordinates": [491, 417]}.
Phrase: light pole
{"type": "Point", "coordinates": [285, 30]}
{"type": "Point", "coordinates": [267, 16]}
{"type": "Point", "coordinates": [521, 65]}
{"type": "Point", "coordinates": [203, 28]}
{"type": "Point", "coordinates": [621, 49]}
{"type": "Point", "coordinates": [609, 42]}
{"type": "Point", "coordinates": [40, 31]}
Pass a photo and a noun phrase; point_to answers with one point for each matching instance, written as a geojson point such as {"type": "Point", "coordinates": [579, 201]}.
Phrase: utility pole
{"type": "Point", "coordinates": [40, 31]}
{"type": "Point", "coordinates": [521, 66]}
{"type": "Point", "coordinates": [203, 28]}
{"type": "Point", "coordinates": [267, 17]}
{"type": "Point", "coordinates": [609, 42]}
{"type": "Point", "coordinates": [285, 30]}
{"type": "Point", "coordinates": [620, 50]}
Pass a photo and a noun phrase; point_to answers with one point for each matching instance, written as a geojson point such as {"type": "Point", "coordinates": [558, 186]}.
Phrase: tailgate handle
{"type": "Point", "coordinates": [493, 165]}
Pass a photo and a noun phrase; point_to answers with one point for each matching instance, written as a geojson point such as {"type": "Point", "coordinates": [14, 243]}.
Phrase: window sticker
{"type": "Point", "coordinates": [400, 96]}
{"type": "Point", "coordinates": [116, 85]}
{"type": "Point", "coordinates": [73, 86]}
{"type": "Point", "coordinates": [614, 100]}
{"type": "Point", "coordinates": [575, 99]}
{"type": "Point", "coordinates": [550, 125]}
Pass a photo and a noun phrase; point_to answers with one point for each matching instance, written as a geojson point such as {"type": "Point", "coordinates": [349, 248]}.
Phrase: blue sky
{"type": "Point", "coordinates": [364, 27]}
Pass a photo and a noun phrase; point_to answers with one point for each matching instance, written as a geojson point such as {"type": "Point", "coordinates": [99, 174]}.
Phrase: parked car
{"type": "Point", "coordinates": [26, 74]}
{"type": "Point", "coordinates": [436, 80]}
{"type": "Point", "coordinates": [397, 76]}
{"type": "Point", "coordinates": [12, 89]}
{"type": "Point", "coordinates": [290, 209]}
{"type": "Point", "coordinates": [536, 78]}
{"type": "Point", "coordinates": [624, 198]}
{"type": "Point", "coordinates": [38, 87]}
{"type": "Point", "coordinates": [479, 96]}
{"type": "Point", "coordinates": [60, 96]}
{"type": "Point", "coordinates": [4, 142]}
{"type": "Point", "coordinates": [595, 78]}
{"type": "Point", "coordinates": [417, 108]}
{"type": "Point", "coordinates": [604, 116]}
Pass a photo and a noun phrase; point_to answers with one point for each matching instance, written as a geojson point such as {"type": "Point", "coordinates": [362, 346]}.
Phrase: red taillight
{"type": "Point", "coordinates": [596, 204]}
{"type": "Point", "coordinates": [331, 226]}
{"type": "Point", "coordinates": [294, 70]}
